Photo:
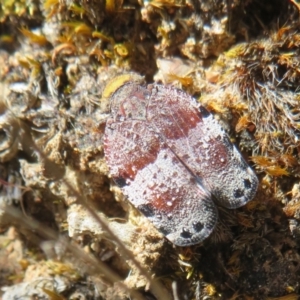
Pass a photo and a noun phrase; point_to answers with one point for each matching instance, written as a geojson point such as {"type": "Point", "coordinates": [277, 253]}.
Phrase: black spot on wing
{"type": "Point", "coordinates": [164, 230]}
{"type": "Point", "coordinates": [147, 210]}
{"type": "Point", "coordinates": [185, 233]}
{"type": "Point", "coordinates": [247, 184]}
{"type": "Point", "coordinates": [198, 226]}
{"type": "Point", "coordinates": [120, 181]}
{"type": "Point", "coordinates": [204, 112]}
{"type": "Point", "coordinates": [238, 193]}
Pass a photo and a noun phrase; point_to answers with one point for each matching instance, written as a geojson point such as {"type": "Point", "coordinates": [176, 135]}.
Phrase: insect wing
{"type": "Point", "coordinates": [157, 183]}
{"type": "Point", "coordinates": [201, 143]}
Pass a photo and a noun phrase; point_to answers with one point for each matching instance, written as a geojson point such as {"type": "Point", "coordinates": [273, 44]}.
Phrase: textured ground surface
{"type": "Point", "coordinates": [241, 59]}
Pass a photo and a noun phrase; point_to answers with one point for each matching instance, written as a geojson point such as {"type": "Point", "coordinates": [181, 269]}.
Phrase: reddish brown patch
{"type": "Point", "coordinates": [161, 202]}
{"type": "Point", "coordinates": [178, 123]}
{"type": "Point", "coordinates": [138, 154]}
{"type": "Point", "coordinates": [219, 153]}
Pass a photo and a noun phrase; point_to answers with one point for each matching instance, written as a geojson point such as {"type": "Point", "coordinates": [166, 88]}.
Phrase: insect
{"type": "Point", "coordinates": [170, 157]}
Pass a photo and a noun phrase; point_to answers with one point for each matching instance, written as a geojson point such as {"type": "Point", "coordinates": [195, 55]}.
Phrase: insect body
{"type": "Point", "coordinates": [169, 156]}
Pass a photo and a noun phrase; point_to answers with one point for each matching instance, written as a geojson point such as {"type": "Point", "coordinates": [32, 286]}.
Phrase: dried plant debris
{"type": "Point", "coordinates": [67, 232]}
{"type": "Point", "coordinates": [258, 83]}
{"type": "Point", "coordinates": [262, 77]}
